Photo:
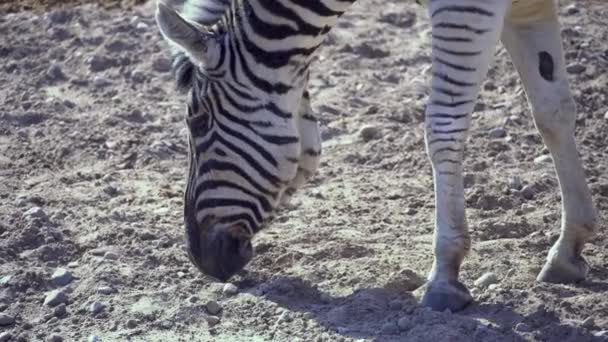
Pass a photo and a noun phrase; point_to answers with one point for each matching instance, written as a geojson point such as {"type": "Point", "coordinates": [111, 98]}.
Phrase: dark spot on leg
{"type": "Point", "coordinates": [545, 65]}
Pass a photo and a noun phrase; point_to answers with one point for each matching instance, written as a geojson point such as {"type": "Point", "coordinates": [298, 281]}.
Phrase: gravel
{"type": "Point", "coordinates": [6, 319]}
{"type": "Point", "coordinates": [60, 310]}
{"type": "Point", "coordinates": [213, 307]}
{"type": "Point", "coordinates": [545, 158]}
{"type": "Point", "coordinates": [97, 307]}
{"type": "Point", "coordinates": [498, 132]}
{"type": "Point", "coordinates": [230, 289]}
{"type": "Point", "coordinates": [369, 132]}
{"type": "Point", "coordinates": [105, 290]}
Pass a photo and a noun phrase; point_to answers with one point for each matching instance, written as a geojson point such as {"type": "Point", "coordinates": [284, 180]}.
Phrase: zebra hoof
{"type": "Point", "coordinates": [564, 271]}
{"type": "Point", "coordinates": [451, 295]}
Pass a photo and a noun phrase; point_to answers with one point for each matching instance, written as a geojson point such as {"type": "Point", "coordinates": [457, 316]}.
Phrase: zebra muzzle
{"type": "Point", "coordinates": [218, 251]}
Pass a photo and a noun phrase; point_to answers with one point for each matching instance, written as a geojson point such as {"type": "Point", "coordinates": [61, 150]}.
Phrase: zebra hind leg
{"type": "Point", "coordinates": [464, 37]}
{"type": "Point", "coordinates": [536, 50]}
{"type": "Point", "coordinates": [310, 155]}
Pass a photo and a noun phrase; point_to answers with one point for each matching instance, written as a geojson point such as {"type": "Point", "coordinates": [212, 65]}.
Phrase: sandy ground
{"type": "Point", "coordinates": [93, 163]}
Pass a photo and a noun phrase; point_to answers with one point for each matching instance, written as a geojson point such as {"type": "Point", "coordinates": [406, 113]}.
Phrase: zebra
{"type": "Point", "coordinates": [254, 138]}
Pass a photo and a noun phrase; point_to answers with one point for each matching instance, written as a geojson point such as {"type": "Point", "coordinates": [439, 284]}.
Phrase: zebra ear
{"type": "Point", "coordinates": [193, 39]}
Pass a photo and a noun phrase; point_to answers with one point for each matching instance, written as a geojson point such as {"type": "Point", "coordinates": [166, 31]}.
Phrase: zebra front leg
{"type": "Point", "coordinates": [310, 155]}
{"type": "Point", "coordinates": [464, 37]}
{"type": "Point", "coordinates": [536, 50]}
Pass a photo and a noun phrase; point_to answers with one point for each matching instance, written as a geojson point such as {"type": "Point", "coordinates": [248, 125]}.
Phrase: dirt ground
{"type": "Point", "coordinates": [93, 166]}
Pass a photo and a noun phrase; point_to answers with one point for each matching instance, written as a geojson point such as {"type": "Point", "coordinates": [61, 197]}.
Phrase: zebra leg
{"type": "Point", "coordinates": [464, 37]}
{"type": "Point", "coordinates": [536, 50]}
{"type": "Point", "coordinates": [310, 155]}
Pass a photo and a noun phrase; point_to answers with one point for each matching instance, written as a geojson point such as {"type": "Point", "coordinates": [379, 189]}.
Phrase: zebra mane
{"type": "Point", "coordinates": [202, 12]}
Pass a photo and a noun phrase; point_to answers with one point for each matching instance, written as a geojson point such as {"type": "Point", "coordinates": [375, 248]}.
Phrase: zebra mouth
{"type": "Point", "coordinates": [218, 251]}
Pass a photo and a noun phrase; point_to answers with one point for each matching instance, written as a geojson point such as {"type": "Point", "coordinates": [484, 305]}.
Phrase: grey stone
{"type": "Point", "coordinates": [285, 316]}
{"type": "Point", "coordinates": [572, 9]}
{"type": "Point", "coordinates": [213, 307]}
{"type": "Point", "coordinates": [576, 68]}
{"type": "Point", "coordinates": [589, 322]}
{"type": "Point", "coordinates": [369, 132]}
{"type": "Point", "coordinates": [105, 290]}
{"type": "Point", "coordinates": [141, 27]}
{"type": "Point", "coordinates": [97, 307]}
{"type": "Point", "coordinates": [522, 327]}
{"type": "Point", "coordinates": [4, 281]}
{"type": "Point", "coordinates": [131, 323]}
{"type": "Point", "coordinates": [514, 182]}
{"type": "Point", "coordinates": [405, 323]}
{"type": "Point", "coordinates": [101, 81]}
{"type": "Point", "coordinates": [35, 213]}
{"type": "Point", "coordinates": [486, 280]}
{"type": "Point", "coordinates": [55, 297]}
{"type": "Point", "coordinates": [193, 299]}
{"type": "Point", "coordinates": [60, 310]}
{"type": "Point", "coordinates": [161, 64]}
{"type": "Point", "coordinates": [528, 192]}
{"type": "Point", "coordinates": [5, 336]}
{"type": "Point", "coordinates": [498, 132]}
{"type": "Point", "coordinates": [230, 289]}
{"type": "Point", "coordinates": [212, 320]}
{"type": "Point", "coordinates": [55, 338]}
{"type": "Point", "coordinates": [545, 158]}
{"type": "Point", "coordinates": [100, 63]}
{"type": "Point", "coordinates": [6, 319]}
{"type": "Point", "coordinates": [59, 16]}
{"type": "Point", "coordinates": [109, 255]}
{"type": "Point", "coordinates": [61, 277]}
{"type": "Point", "coordinates": [55, 72]}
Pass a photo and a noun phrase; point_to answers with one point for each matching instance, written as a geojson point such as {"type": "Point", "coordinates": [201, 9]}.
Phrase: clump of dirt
{"type": "Point", "coordinates": [93, 162]}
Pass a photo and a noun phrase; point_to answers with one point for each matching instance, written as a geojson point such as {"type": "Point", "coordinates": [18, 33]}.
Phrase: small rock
{"type": "Point", "coordinates": [101, 81]}
{"type": "Point", "coordinates": [405, 323]}
{"type": "Point", "coordinates": [230, 289]}
{"type": "Point", "coordinates": [55, 73]}
{"type": "Point", "coordinates": [59, 16]}
{"type": "Point", "coordinates": [589, 322]}
{"type": "Point", "coordinates": [96, 307]}
{"type": "Point", "coordinates": [522, 327]}
{"type": "Point", "coordinates": [131, 323]}
{"type": "Point", "coordinates": [395, 305]}
{"type": "Point", "coordinates": [498, 132]}
{"type": "Point", "coordinates": [493, 287]}
{"type": "Point", "coordinates": [55, 338]}
{"type": "Point", "coordinates": [389, 328]}
{"type": "Point", "coordinates": [572, 9]}
{"type": "Point", "coordinates": [405, 280]}
{"type": "Point", "coordinates": [61, 277]}
{"type": "Point", "coordinates": [109, 255]}
{"type": "Point", "coordinates": [35, 213]}
{"type": "Point", "coordinates": [60, 310]}
{"type": "Point", "coordinates": [5, 336]}
{"type": "Point", "coordinates": [528, 192]}
{"type": "Point", "coordinates": [100, 63]}
{"type": "Point", "coordinates": [193, 299]}
{"type": "Point", "coordinates": [510, 273]}
{"type": "Point", "coordinates": [138, 76]}
{"type": "Point", "coordinates": [94, 338]}
{"type": "Point", "coordinates": [105, 290]}
{"type": "Point", "coordinates": [166, 324]}
{"type": "Point", "coordinates": [162, 64]}
{"type": "Point", "coordinates": [141, 26]}
{"type": "Point", "coordinates": [6, 319]}
{"type": "Point", "coordinates": [514, 182]}
{"type": "Point", "coordinates": [55, 297]}
{"type": "Point", "coordinates": [213, 307]}
{"type": "Point", "coordinates": [369, 132]}
{"type": "Point", "coordinates": [212, 320]}
{"type": "Point", "coordinates": [603, 333]}
{"type": "Point", "coordinates": [545, 158]}
{"type": "Point", "coordinates": [576, 68]}
{"type": "Point", "coordinates": [285, 316]}
{"type": "Point", "coordinates": [486, 280]}
{"type": "Point", "coordinates": [4, 281]}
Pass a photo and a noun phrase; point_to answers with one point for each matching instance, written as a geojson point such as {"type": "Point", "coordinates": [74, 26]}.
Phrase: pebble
{"type": "Point", "coordinates": [105, 290]}
{"type": "Point", "coordinates": [603, 333]}
{"type": "Point", "coordinates": [514, 182]}
{"type": "Point", "coordinates": [60, 310]}
{"type": "Point", "coordinates": [100, 63]}
{"type": "Point", "coordinates": [230, 289]}
{"type": "Point", "coordinates": [369, 132]}
{"type": "Point", "coordinates": [35, 213]}
{"type": "Point", "coordinates": [212, 320]}
{"type": "Point", "coordinates": [545, 158]}
{"type": "Point", "coordinates": [59, 16]}
{"type": "Point", "coordinates": [55, 338]}
{"type": "Point", "coordinates": [141, 26]}
{"type": "Point", "coordinates": [498, 132]}
{"type": "Point", "coordinates": [606, 115]}
{"type": "Point", "coordinates": [213, 307]}
{"type": "Point", "coordinates": [162, 64]}
{"type": "Point", "coordinates": [5, 280]}
{"type": "Point", "coordinates": [193, 299]}
{"type": "Point", "coordinates": [572, 9]}
{"type": "Point", "coordinates": [486, 280]}
{"type": "Point", "coordinates": [55, 297]}
{"type": "Point", "coordinates": [528, 192]}
{"type": "Point", "coordinates": [61, 277]}
{"type": "Point", "coordinates": [522, 327]}
{"type": "Point", "coordinates": [6, 319]}
{"type": "Point", "coordinates": [97, 307]}
{"type": "Point", "coordinates": [55, 72]}
{"type": "Point", "coordinates": [576, 68]}
{"type": "Point", "coordinates": [109, 255]}
{"type": "Point", "coordinates": [405, 323]}
{"type": "Point", "coordinates": [589, 322]}
{"type": "Point", "coordinates": [285, 316]}
{"type": "Point", "coordinates": [94, 338]}
{"type": "Point", "coordinates": [5, 336]}
{"type": "Point", "coordinates": [101, 81]}
{"type": "Point", "coordinates": [131, 323]}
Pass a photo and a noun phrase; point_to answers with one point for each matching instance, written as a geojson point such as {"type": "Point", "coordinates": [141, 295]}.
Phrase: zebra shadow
{"type": "Point", "coordinates": [384, 314]}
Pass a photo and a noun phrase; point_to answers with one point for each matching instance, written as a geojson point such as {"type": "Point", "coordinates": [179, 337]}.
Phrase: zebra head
{"type": "Point", "coordinates": [244, 135]}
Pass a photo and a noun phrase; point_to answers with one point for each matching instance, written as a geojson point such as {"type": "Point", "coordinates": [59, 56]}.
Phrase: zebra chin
{"type": "Point", "coordinates": [217, 251]}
